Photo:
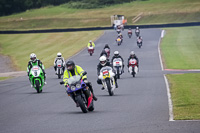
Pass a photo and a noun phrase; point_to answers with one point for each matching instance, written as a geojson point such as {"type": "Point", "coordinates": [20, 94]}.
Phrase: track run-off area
{"type": "Point", "coordinates": [139, 105]}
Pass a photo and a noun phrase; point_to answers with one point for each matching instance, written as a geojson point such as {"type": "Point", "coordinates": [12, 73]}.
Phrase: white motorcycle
{"type": "Point", "coordinates": [133, 69]}
{"type": "Point", "coordinates": [59, 67]}
{"type": "Point", "coordinates": [107, 78]}
{"type": "Point", "coordinates": [117, 66]}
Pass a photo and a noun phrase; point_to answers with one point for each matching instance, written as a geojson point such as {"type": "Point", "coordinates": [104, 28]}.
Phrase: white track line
{"type": "Point", "coordinates": [171, 116]}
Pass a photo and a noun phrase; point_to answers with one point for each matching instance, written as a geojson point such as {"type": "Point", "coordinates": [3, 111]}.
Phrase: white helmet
{"type": "Point", "coordinates": [116, 53]}
{"type": "Point", "coordinates": [103, 60]}
{"type": "Point", "coordinates": [90, 41]}
{"type": "Point", "coordinates": [59, 54]}
{"type": "Point", "coordinates": [132, 53]}
{"type": "Point", "coordinates": [137, 28]}
{"type": "Point", "coordinates": [33, 57]}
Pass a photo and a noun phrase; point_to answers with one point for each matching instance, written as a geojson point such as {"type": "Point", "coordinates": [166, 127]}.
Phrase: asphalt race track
{"type": "Point", "coordinates": [140, 104]}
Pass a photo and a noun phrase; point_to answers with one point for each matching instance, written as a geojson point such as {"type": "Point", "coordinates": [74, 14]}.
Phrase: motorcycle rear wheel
{"type": "Point", "coordinates": [59, 75]}
{"type": "Point", "coordinates": [118, 75]}
{"type": "Point", "coordinates": [81, 104]}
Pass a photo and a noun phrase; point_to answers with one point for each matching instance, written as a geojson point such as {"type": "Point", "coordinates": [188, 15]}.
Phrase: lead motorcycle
{"type": "Point", "coordinates": [59, 68]}
{"type": "Point", "coordinates": [133, 67]}
{"type": "Point", "coordinates": [137, 32]}
{"type": "Point", "coordinates": [107, 78]}
{"type": "Point", "coordinates": [117, 66]}
{"type": "Point", "coordinates": [36, 77]}
{"type": "Point", "coordinates": [129, 33]}
{"type": "Point", "coordinates": [83, 97]}
{"type": "Point", "coordinates": [90, 50]}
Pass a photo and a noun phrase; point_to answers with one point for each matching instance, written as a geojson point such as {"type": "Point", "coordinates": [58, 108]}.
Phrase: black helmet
{"type": "Point", "coordinates": [106, 45]}
{"type": "Point", "coordinates": [70, 63]}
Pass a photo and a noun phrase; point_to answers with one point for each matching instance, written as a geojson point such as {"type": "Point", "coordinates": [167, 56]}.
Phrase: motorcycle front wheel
{"type": "Point", "coordinates": [37, 84]}
{"type": "Point", "coordinates": [109, 87]}
{"type": "Point", "coordinates": [81, 104]}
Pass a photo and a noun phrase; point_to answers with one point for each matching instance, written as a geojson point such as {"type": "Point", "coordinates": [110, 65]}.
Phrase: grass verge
{"type": "Point", "coordinates": [4, 78]}
{"type": "Point", "coordinates": [154, 11]}
{"type": "Point", "coordinates": [181, 48]}
{"type": "Point", "coordinates": [45, 46]}
{"type": "Point", "coordinates": [185, 93]}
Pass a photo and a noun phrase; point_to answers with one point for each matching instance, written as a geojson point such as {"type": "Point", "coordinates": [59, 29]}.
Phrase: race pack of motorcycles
{"type": "Point", "coordinates": [107, 76]}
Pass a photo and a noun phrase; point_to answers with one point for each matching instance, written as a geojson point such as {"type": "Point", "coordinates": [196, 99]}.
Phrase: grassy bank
{"type": "Point", "coordinates": [45, 46]}
{"type": "Point", "coordinates": [154, 11]}
{"type": "Point", "coordinates": [185, 92]}
{"type": "Point", "coordinates": [181, 48]}
{"type": "Point", "coordinates": [4, 78]}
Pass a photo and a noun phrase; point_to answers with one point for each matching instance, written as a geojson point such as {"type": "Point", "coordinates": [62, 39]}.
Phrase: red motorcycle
{"type": "Point", "coordinates": [129, 33]}
{"type": "Point", "coordinates": [90, 50]}
{"type": "Point", "coordinates": [133, 67]}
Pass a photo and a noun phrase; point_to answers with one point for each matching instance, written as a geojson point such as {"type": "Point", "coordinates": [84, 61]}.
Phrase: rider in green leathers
{"type": "Point", "coordinates": [33, 62]}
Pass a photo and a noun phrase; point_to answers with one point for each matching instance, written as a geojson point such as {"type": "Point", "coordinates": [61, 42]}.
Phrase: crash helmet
{"type": "Point", "coordinates": [116, 53]}
{"type": "Point", "coordinates": [129, 28]}
{"type": "Point", "coordinates": [59, 54]}
{"type": "Point", "coordinates": [103, 60]}
{"type": "Point", "coordinates": [70, 65]}
{"type": "Point", "coordinates": [90, 41]}
{"type": "Point", "coordinates": [106, 46]}
{"type": "Point", "coordinates": [132, 54]}
{"type": "Point", "coordinates": [137, 28]}
{"type": "Point", "coordinates": [33, 57]}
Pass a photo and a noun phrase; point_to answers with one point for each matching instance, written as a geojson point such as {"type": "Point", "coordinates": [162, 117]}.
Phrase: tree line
{"type": "Point", "coordinates": [8, 7]}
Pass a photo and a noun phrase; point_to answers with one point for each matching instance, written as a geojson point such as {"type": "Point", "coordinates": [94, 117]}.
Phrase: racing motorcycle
{"type": "Point", "coordinates": [90, 50]}
{"type": "Point", "coordinates": [59, 68]}
{"type": "Point", "coordinates": [137, 33]}
{"type": "Point", "coordinates": [139, 43]}
{"type": "Point", "coordinates": [132, 67]}
{"type": "Point", "coordinates": [119, 41]}
{"type": "Point", "coordinates": [82, 96]}
{"type": "Point", "coordinates": [129, 33]}
{"type": "Point", "coordinates": [118, 31]}
{"type": "Point", "coordinates": [108, 52]}
{"type": "Point", "coordinates": [117, 66]}
{"type": "Point", "coordinates": [107, 78]}
{"type": "Point", "coordinates": [36, 77]}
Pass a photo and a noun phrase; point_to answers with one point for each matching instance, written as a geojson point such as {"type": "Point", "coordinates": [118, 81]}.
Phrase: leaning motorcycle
{"type": "Point", "coordinates": [107, 78]}
{"type": "Point", "coordinates": [139, 43]}
{"type": "Point", "coordinates": [133, 67]}
{"type": "Point", "coordinates": [83, 97]}
{"type": "Point", "coordinates": [117, 66]}
{"type": "Point", "coordinates": [119, 41]}
{"type": "Point", "coordinates": [118, 31]}
{"type": "Point", "coordinates": [90, 50]}
{"type": "Point", "coordinates": [36, 77]}
{"type": "Point", "coordinates": [59, 68]}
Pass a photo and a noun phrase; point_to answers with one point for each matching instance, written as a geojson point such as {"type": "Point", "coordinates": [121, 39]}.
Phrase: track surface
{"type": "Point", "coordinates": [140, 104]}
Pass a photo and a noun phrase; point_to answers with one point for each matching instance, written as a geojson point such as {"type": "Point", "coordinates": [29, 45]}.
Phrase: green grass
{"type": "Point", "coordinates": [4, 78]}
{"type": "Point", "coordinates": [154, 11]}
{"type": "Point", "coordinates": [181, 48]}
{"type": "Point", "coordinates": [185, 92]}
{"type": "Point", "coordinates": [45, 46]}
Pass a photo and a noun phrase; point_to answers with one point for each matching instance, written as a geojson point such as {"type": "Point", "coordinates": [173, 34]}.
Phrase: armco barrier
{"type": "Point", "coordinates": [103, 28]}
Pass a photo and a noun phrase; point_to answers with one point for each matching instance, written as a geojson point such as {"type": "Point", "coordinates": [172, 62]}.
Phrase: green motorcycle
{"type": "Point", "coordinates": [36, 76]}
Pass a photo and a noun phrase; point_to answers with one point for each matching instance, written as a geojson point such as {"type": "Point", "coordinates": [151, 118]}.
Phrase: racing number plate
{"type": "Point", "coordinates": [105, 72]}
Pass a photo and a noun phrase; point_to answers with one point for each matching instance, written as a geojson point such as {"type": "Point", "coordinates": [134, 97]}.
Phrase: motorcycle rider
{"type": "Point", "coordinates": [104, 53]}
{"type": "Point", "coordinates": [106, 46]}
{"type": "Point", "coordinates": [59, 57]}
{"type": "Point", "coordinates": [103, 62]}
{"type": "Point", "coordinates": [137, 30]}
{"type": "Point", "coordinates": [133, 56]}
{"type": "Point", "coordinates": [140, 38]}
{"type": "Point", "coordinates": [91, 44]}
{"type": "Point", "coordinates": [130, 31]}
{"type": "Point", "coordinates": [116, 55]}
{"type": "Point", "coordinates": [33, 62]}
{"type": "Point", "coordinates": [72, 70]}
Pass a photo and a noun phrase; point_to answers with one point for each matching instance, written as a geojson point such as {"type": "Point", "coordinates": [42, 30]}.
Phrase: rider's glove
{"type": "Point", "coordinates": [85, 81]}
